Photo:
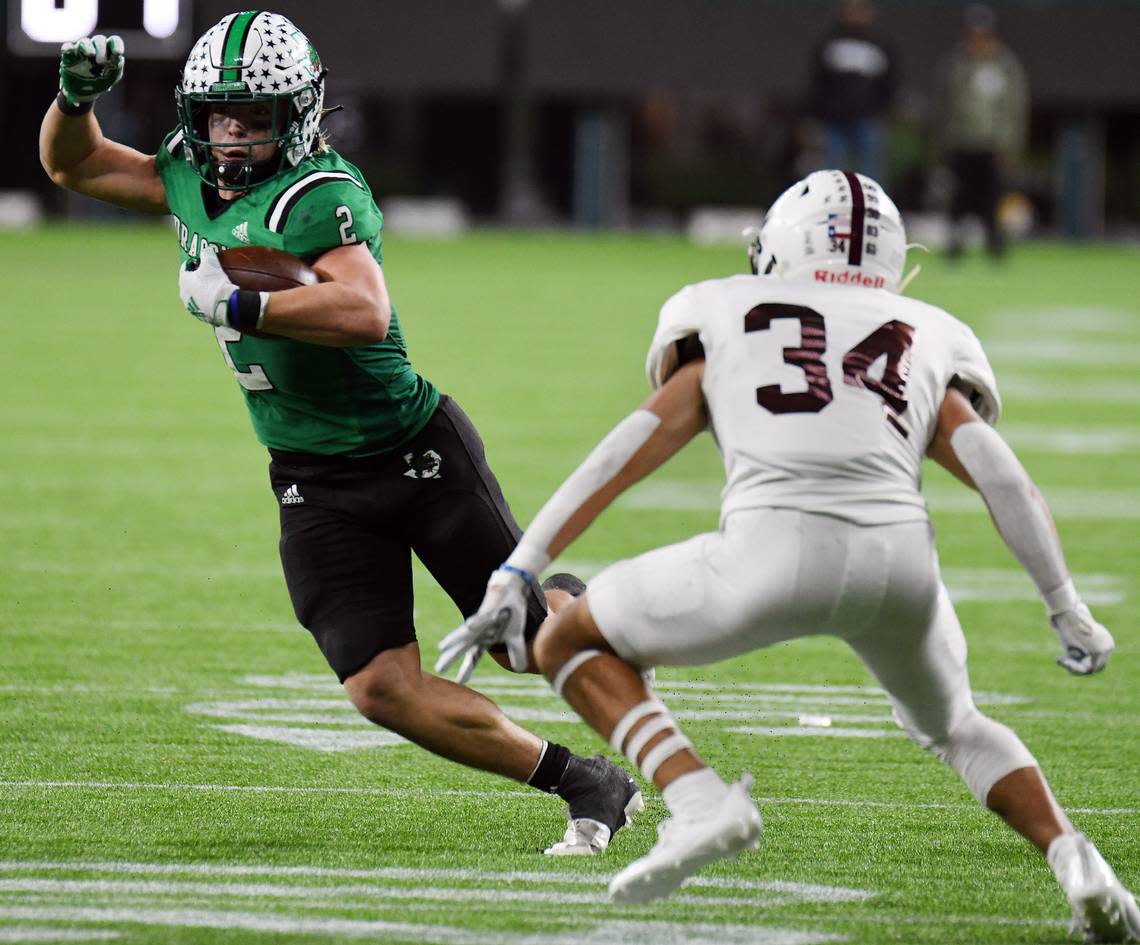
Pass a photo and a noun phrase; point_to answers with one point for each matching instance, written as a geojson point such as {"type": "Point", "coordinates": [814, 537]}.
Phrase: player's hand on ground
{"type": "Point", "coordinates": [501, 618]}
{"type": "Point", "coordinates": [1087, 644]}
{"type": "Point", "coordinates": [89, 67]}
{"type": "Point", "coordinates": [205, 288]}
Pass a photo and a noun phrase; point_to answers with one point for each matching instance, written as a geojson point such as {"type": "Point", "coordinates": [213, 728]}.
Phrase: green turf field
{"type": "Point", "coordinates": [178, 766]}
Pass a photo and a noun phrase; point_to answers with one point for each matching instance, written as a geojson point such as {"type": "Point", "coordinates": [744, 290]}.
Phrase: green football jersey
{"type": "Point", "coordinates": [302, 397]}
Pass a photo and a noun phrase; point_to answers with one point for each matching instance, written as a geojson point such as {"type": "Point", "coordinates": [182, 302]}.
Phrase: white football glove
{"type": "Point", "coordinates": [1087, 644]}
{"type": "Point", "coordinates": [501, 618]}
{"type": "Point", "coordinates": [206, 289]}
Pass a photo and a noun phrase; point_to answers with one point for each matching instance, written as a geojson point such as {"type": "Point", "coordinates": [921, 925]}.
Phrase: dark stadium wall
{"type": "Point", "coordinates": [428, 103]}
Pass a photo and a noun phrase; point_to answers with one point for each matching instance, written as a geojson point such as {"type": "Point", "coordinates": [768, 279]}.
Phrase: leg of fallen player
{"type": "Point", "coordinates": [710, 820]}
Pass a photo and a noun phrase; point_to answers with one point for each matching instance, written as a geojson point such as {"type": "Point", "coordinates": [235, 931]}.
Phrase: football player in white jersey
{"type": "Point", "coordinates": [824, 389]}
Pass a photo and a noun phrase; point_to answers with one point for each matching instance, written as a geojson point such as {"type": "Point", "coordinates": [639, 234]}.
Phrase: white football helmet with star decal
{"type": "Point", "coordinates": [246, 58]}
{"type": "Point", "coordinates": [832, 227]}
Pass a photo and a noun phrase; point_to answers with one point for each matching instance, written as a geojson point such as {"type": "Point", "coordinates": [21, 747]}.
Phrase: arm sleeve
{"type": "Point", "coordinates": [605, 461]}
{"type": "Point", "coordinates": [974, 376]}
{"type": "Point", "coordinates": [1019, 511]}
{"type": "Point", "coordinates": [337, 213]}
{"type": "Point", "coordinates": [678, 320]}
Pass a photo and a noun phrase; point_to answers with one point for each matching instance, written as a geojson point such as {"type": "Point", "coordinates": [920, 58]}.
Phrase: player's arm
{"type": "Point", "coordinates": [637, 446]}
{"type": "Point", "coordinates": [350, 305]}
{"type": "Point", "coordinates": [73, 150]}
{"type": "Point", "coordinates": [974, 452]}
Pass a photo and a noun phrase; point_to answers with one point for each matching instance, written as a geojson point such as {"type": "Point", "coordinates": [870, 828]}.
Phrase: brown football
{"type": "Point", "coordinates": [262, 269]}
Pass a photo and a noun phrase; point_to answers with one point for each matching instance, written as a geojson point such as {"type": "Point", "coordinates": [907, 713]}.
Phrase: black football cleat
{"type": "Point", "coordinates": [602, 799]}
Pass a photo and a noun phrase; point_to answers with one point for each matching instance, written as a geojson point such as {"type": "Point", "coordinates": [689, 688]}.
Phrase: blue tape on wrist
{"type": "Point", "coordinates": [525, 575]}
{"type": "Point", "coordinates": [243, 309]}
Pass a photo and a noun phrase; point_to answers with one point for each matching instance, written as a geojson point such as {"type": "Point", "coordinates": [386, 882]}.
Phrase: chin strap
{"type": "Point", "coordinates": [912, 275]}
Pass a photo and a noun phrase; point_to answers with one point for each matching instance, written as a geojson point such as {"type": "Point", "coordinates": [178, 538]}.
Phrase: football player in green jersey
{"type": "Point", "coordinates": [368, 460]}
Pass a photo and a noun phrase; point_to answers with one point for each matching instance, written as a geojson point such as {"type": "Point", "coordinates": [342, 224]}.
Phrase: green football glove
{"type": "Point", "coordinates": [89, 67]}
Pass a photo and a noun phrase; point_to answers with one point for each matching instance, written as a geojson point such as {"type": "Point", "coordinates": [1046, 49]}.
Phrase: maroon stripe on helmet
{"type": "Point", "coordinates": [858, 211]}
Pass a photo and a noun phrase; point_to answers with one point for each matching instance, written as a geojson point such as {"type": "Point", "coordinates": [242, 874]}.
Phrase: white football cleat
{"type": "Point", "coordinates": [1103, 910]}
{"type": "Point", "coordinates": [583, 837]}
{"type": "Point", "coordinates": [684, 846]}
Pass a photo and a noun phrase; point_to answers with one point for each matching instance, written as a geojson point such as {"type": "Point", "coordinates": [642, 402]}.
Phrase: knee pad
{"type": "Point", "coordinates": [981, 750]}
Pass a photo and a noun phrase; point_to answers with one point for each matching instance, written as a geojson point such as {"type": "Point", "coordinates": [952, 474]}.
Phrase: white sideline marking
{"type": "Point", "coordinates": [342, 895]}
{"type": "Point", "coordinates": [1008, 584]}
{"type": "Point", "coordinates": [238, 626]}
{"type": "Point", "coordinates": [1078, 321]}
{"type": "Point", "coordinates": [1065, 502]}
{"type": "Point", "coordinates": [331, 725]}
{"type": "Point", "coordinates": [805, 892]}
{"type": "Point", "coordinates": [816, 731]}
{"type": "Point", "coordinates": [254, 922]}
{"type": "Point", "coordinates": [1063, 350]}
{"type": "Point", "coordinates": [1108, 505]}
{"type": "Point", "coordinates": [28, 934]}
{"type": "Point", "coordinates": [665, 933]}
{"type": "Point", "coordinates": [1047, 390]}
{"type": "Point", "coordinates": [458, 792]}
{"type": "Point", "coordinates": [317, 739]}
{"type": "Point", "coordinates": [1069, 441]}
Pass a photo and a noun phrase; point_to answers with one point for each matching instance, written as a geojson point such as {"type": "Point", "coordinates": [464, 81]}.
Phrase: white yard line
{"type": "Point", "coordinates": [1066, 502]}
{"type": "Point", "coordinates": [340, 895]}
{"type": "Point", "coordinates": [45, 934]}
{"type": "Point", "coordinates": [806, 892]}
{"type": "Point", "coordinates": [34, 785]}
{"type": "Point", "coordinates": [1100, 354]}
{"type": "Point", "coordinates": [1014, 387]}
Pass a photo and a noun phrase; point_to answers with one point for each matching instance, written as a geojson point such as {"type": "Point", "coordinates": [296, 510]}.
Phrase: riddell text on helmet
{"type": "Point", "coordinates": [850, 278]}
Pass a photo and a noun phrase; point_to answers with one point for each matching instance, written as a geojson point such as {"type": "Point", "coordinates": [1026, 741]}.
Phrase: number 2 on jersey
{"type": "Point", "coordinates": [893, 339]}
{"type": "Point", "coordinates": [254, 378]}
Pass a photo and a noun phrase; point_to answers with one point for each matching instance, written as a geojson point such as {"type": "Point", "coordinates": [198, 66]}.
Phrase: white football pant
{"type": "Point", "coordinates": [777, 574]}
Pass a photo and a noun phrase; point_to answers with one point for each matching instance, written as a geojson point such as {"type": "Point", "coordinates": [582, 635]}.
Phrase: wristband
{"type": "Point", "coordinates": [525, 575]}
{"type": "Point", "coordinates": [246, 309]}
{"type": "Point", "coordinates": [1061, 599]}
{"type": "Point", "coordinates": [72, 109]}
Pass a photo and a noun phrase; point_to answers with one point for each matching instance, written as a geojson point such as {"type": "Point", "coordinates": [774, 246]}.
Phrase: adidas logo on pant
{"type": "Point", "coordinates": [291, 496]}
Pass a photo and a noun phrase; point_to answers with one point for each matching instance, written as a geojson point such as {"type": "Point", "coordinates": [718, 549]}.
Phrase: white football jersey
{"type": "Point", "coordinates": [823, 397]}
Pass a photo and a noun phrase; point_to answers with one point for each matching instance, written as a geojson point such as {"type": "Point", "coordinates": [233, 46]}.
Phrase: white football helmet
{"type": "Point", "coordinates": [832, 227]}
{"type": "Point", "coordinates": [245, 58]}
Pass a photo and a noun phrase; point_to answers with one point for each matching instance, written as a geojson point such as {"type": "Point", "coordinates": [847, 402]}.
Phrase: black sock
{"type": "Point", "coordinates": [551, 766]}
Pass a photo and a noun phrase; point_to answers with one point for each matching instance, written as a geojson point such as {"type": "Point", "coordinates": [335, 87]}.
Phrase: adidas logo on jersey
{"type": "Point", "coordinates": [292, 496]}
{"type": "Point", "coordinates": [241, 231]}
{"type": "Point", "coordinates": [850, 278]}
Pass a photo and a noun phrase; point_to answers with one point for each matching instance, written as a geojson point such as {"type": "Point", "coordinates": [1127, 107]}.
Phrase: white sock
{"type": "Point", "coordinates": [694, 794]}
{"type": "Point", "coordinates": [1059, 853]}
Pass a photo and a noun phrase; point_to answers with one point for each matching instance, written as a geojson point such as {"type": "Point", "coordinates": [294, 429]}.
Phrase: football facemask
{"type": "Point", "coordinates": [248, 59]}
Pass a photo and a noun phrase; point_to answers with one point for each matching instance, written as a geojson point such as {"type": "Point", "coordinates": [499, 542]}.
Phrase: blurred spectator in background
{"type": "Point", "coordinates": [981, 124]}
{"type": "Point", "coordinates": [852, 85]}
